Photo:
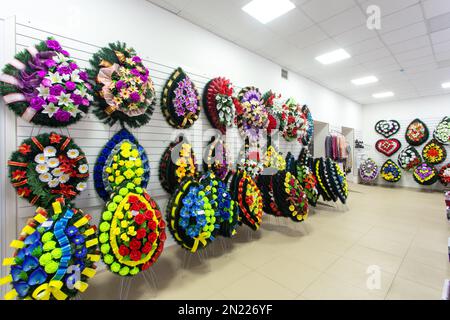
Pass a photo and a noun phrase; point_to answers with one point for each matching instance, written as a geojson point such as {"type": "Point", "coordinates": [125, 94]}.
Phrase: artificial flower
{"type": "Point", "coordinates": [73, 153]}
{"type": "Point", "coordinates": [41, 168]}
{"type": "Point", "coordinates": [81, 186]}
{"type": "Point", "coordinates": [83, 168]}
{"type": "Point", "coordinates": [52, 162]}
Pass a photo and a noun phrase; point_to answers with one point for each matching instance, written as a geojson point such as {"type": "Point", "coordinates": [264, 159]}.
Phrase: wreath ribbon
{"type": "Point", "coordinates": [46, 290]}
{"type": "Point", "coordinates": [200, 239]}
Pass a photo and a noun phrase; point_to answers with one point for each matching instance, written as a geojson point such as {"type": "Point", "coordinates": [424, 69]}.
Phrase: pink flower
{"type": "Point", "coordinates": [135, 97]}
{"type": "Point", "coordinates": [50, 63]}
{"type": "Point", "coordinates": [137, 59]}
{"type": "Point", "coordinates": [70, 85]}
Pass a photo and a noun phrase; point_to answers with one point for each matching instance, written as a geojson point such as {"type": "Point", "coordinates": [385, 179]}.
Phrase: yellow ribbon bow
{"type": "Point", "coordinates": [46, 290]}
{"type": "Point", "coordinates": [200, 239]}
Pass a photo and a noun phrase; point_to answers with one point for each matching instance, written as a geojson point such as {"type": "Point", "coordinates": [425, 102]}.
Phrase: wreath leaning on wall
{"type": "Point", "coordinates": [54, 256]}
{"type": "Point", "coordinates": [46, 167]}
{"type": "Point", "coordinates": [43, 85]}
{"type": "Point", "coordinates": [123, 87]}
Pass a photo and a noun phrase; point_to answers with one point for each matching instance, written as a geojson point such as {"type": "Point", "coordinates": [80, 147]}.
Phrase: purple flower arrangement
{"type": "Point", "coordinates": [185, 99]}
{"type": "Point", "coordinates": [368, 171]}
{"type": "Point", "coordinates": [45, 86]}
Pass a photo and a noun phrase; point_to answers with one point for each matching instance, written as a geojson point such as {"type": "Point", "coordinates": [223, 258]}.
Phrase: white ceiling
{"type": "Point", "coordinates": [410, 55]}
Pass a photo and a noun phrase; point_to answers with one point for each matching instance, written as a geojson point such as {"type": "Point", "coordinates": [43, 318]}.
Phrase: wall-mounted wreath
{"type": "Point", "coordinates": [121, 160]}
{"type": "Point", "coordinates": [46, 167]}
{"type": "Point", "coordinates": [218, 103]}
{"type": "Point", "coordinates": [123, 87]}
{"type": "Point", "coordinates": [43, 85]}
{"type": "Point", "coordinates": [180, 102]}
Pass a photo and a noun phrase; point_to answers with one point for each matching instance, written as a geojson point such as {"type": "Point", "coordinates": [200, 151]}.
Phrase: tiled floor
{"type": "Point", "coordinates": [403, 233]}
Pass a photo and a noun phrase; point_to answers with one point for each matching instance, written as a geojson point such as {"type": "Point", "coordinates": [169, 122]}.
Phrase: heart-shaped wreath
{"type": "Point", "coordinates": [388, 146]}
{"type": "Point", "coordinates": [387, 128]}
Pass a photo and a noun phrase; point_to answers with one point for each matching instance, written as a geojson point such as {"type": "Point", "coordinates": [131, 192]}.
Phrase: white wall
{"type": "Point", "coordinates": [165, 41]}
{"type": "Point", "coordinates": [430, 110]}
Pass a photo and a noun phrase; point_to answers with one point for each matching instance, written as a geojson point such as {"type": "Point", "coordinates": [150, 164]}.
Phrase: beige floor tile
{"type": "Point", "coordinates": [330, 288]}
{"type": "Point", "coordinates": [361, 275]}
{"type": "Point", "coordinates": [385, 245]}
{"type": "Point", "coordinates": [259, 287]}
{"type": "Point", "coordinates": [393, 235]}
{"type": "Point", "coordinates": [428, 257]}
{"type": "Point", "coordinates": [423, 274]}
{"type": "Point", "coordinates": [387, 262]}
{"type": "Point", "coordinates": [404, 289]}
{"type": "Point", "coordinates": [313, 257]}
{"type": "Point", "coordinates": [290, 273]}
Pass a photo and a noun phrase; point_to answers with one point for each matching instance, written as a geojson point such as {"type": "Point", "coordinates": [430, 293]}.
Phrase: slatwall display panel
{"type": "Point", "coordinates": [91, 135]}
{"type": "Point", "coordinates": [407, 178]}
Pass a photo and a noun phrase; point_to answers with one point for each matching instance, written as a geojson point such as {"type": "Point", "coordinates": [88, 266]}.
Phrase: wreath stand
{"type": "Point", "coordinates": [149, 279]}
{"type": "Point", "coordinates": [202, 256]}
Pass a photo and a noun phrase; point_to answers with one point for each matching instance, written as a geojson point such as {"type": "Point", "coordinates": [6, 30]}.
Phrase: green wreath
{"type": "Point", "coordinates": [123, 88]}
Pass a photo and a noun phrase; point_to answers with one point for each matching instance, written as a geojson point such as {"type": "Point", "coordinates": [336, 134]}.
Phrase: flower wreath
{"type": "Point", "coordinates": [338, 180]}
{"type": "Point", "coordinates": [442, 131]}
{"type": "Point", "coordinates": [309, 131]}
{"type": "Point", "coordinates": [444, 174]}
{"type": "Point", "coordinates": [216, 155]}
{"type": "Point", "coordinates": [122, 159]}
{"type": "Point", "coordinates": [308, 181]}
{"type": "Point", "coordinates": [324, 180]}
{"type": "Point", "coordinates": [368, 170]}
{"type": "Point", "coordinates": [273, 162]}
{"type": "Point", "coordinates": [250, 159]}
{"type": "Point", "coordinates": [218, 103]}
{"type": "Point", "coordinates": [190, 215]}
{"type": "Point", "coordinates": [434, 152]}
{"type": "Point", "coordinates": [131, 231]}
{"type": "Point", "coordinates": [417, 133]}
{"type": "Point", "coordinates": [180, 102]}
{"type": "Point", "coordinates": [46, 87]}
{"type": "Point", "coordinates": [123, 87]}
{"type": "Point", "coordinates": [290, 197]}
{"type": "Point", "coordinates": [46, 167]}
{"type": "Point", "coordinates": [293, 121]}
{"type": "Point", "coordinates": [291, 165]}
{"type": "Point", "coordinates": [274, 104]}
{"type": "Point", "coordinates": [177, 162]}
{"type": "Point", "coordinates": [425, 174]}
{"type": "Point", "coordinates": [251, 114]}
{"type": "Point", "coordinates": [246, 193]}
{"type": "Point", "coordinates": [54, 255]}
{"type": "Point", "coordinates": [305, 158]}
{"type": "Point", "coordinates": [390, 171]}
{"type": "Point", "coordinates": [409, 158]}
{"type": "Point", "coordinates": [387, 128]}
{"type": "Point", "coordinates": [225, 208]}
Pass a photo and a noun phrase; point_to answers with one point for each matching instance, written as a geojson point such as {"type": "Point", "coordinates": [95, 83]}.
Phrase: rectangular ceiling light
{"type": "Point", "coordinates": [364, 80]}
{"type": "Point", "coordinates": [383, 94]}
{"type": "Point", "coordinates": [446, 85]}
{"type": "Point", "coordinates": [333, 56]}
{"type": "Point", "coordinates": [267, 10]}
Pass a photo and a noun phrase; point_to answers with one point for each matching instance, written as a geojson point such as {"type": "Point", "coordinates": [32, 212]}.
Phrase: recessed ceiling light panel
{"type": "Point", "coordinates": [333, 56]}
{"type": "Point", "coordinates": [385, 94]}
{"type": "Point", "coordinates": [267, 10]}
{"type": "Point", "coordinates": [446, 85]}
{"type": "Point", "coordinates": [364, 80]}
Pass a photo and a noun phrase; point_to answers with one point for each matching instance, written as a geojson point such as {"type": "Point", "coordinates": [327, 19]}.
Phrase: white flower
{"type": "Point", "coordinates": [90, 97]}
{"type": "Point", "coordinates": [45, 177]}
{"type": "Point", "coordinates": [41, 168]}
{"type": "Point", "coordinates": [53, 183]}
{"type": "Point", "coordinates": [44, 92]}
{"type": "Point", "coordinates": [60, 58]}
{"type": "Point", "coordinates": [73, 153]}
{"type": "Point", "coordinates": [64, 99]}
{"type": "Point", "coordinates": [50, 151]}
{"type": "Point", "coordinates": [57, 172]}
{"type": "Point", "coordinates": [54, 77]}
{"type": "Point", "coordinates": [73, 110]}
{"type": "Point", "coordinates": [53, 162]}
{"type": "Point", "coordinates": [81, 92]}
{"type": "Point", "coordinates": [75, 77]}
{"type": "Point", "coordinates": [40, 158]}
{"type": "Point", "coordinates": [64, 178]}
{"type": "Point", "coordinates": [66, 77]}
{"type": "Point", "coordinates": [83, 168]}
{"type": "Point", "coordinates": [81, 186]}
{"type": "Point", "coordinates": [50, 109]}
